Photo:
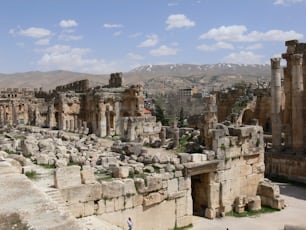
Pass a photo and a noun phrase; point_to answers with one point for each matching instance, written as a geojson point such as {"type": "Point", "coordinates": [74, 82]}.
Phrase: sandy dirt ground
{"type": "Point", "coordinates": [294, 214]}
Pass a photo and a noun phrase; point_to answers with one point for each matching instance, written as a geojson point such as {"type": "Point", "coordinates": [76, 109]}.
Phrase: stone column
{"type": "Point", "coordinates": [297, 104]}
{"type": "Point", "coordinates": [71, 125]}
{"type": "Point", "coordinates": [117, 117]}
{"type": "Point", "coordinates": [276, 103]}
{"type": "Point", "coordinates": [101, 120]}
{"type": "Point", "coordinates": [107, 115]}
{"type": "Point", "coordinates": [75, 119]}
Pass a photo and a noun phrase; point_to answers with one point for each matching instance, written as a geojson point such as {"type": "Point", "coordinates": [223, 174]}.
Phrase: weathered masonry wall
{"type": "Point", "coordinates": [157, 201]}
{"type": "Point", "coordinates": [286, 166]}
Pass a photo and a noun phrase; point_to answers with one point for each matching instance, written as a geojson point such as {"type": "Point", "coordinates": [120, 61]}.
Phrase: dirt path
{"type": "Point", "coordinates": [293, 214]}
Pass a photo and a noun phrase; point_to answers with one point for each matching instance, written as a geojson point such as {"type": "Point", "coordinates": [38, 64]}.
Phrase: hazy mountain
{"type": "Point", "coordinates": [154, 77]}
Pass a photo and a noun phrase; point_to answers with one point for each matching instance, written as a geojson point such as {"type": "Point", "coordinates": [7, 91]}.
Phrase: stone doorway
{"type": "Point", "coordinates": [200, 193]}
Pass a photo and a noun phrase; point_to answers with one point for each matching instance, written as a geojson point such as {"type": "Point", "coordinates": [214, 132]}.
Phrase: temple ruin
{"type": "Point", "coordinates": [159, 189]}
{"type": "Point", "coordinates": [287, 158]}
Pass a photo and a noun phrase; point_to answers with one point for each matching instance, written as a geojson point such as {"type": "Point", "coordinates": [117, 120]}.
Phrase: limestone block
{"type": "Point", "coordinates": [175, 195]}
{"type": "Point", "coordinates": [178, 174]}
{"type": "Point", "coordinates": [89, 208]}
{"type": "Point", "coordinates": [152, 198]}
{"type": "Point", "coordinates": [210, 213]}
{"type": "Point", "coordinates": [183, 221]}
{"type": "Point", "coordinates": [276, 203]}
{"type": "Point", "coordinates": [60, 150]}
{"type": "Point", "coordinates": [245, 170]}
{"type": "Point", "coordinates": [128, 202]}
{"type": "Point", "coordinates": [121, 171]}
{"type": "Point", "coordinates": [163, 159]}
{"type": "Point", "coordinates": [154, 183]}
{"type": "Point", "coordinates": [259, 168]}
{"type": "Point", "coordinates": [42, 159]}
{"type": "Point", "coordinates": [239, 204]}
{"type": "Point", "coordinates": [67, 177]}
{"type": "Point", "coordinates": [140, 185]}
{"type": "Point", "coordinates": [185, 158]}
{"type": "Point", "coordinates": [196, 157]}
{"type": "Point", "coordinates": [82, 193]}
{"type": "Point", "coordinates": [112, 189]}
{"type": "Point", "coordinates": [59, 163]}
{"type": "Point", "coordinates": [147, 128]}
{"type": "Point", "coordinates": [137, 200]}
{"type": "Point", "coordinates": [101, 207]}
{"type": "Point", "coordinates": [46, 145]}
{"type": "Point", "coordinates": [181, 209]}
{"type": "Point", "coordinates": [87, 175]}
{"type": "Point", "coordinates": [268, 189]}
{"type": "Point", "coordinates": [119, 203]}
{"type": "Point", "coordinates": [172, 186]}
{"type": "Point", "coordinates": [165, 185]}
{"type": "Point", "coordinates": [109, 205]}
{"type": "Point", "coordinates": [129, 187]}
{"type": "Point", "coordinates": [76, 209]}
{"type": "Point", "coordinates": [254, 203]}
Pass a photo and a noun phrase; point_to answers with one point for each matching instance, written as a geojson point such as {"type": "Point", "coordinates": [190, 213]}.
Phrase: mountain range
{"type": "Point", "coordinates": [155, 78]}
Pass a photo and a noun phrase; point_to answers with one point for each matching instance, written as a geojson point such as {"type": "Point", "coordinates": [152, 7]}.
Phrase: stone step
{"type": "Point", "coordinates": [55, 196]}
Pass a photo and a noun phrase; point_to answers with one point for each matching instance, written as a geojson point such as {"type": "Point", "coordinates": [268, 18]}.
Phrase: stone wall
{"type": "Point", "coordinates": [285, 166]}
{"type": "Point", "coordinates": [142, 129]}
{"type": "Point", "coordinates": [156, 201]}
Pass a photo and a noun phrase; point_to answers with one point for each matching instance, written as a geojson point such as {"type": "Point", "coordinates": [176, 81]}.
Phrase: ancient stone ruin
{"type": "Point", "coordinates": [287, 158]}
{"type": "Point", "coordinates": [159, 189]}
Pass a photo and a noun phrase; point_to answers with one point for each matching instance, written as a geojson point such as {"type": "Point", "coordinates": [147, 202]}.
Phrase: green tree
{"type": "Point", "coordinates": [160, 116]}
{"type": "Point", "coordinates": [181, 118]}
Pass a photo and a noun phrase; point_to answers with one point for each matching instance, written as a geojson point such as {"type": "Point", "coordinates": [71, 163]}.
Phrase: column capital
{"type": "Point", "coordinates": [297, 59]}
{"type": "Point", "coordinates": [275, 63]}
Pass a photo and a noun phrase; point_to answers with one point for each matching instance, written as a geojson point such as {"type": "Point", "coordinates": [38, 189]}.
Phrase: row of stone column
{"type": "Point", "coordinates": [294, 92]}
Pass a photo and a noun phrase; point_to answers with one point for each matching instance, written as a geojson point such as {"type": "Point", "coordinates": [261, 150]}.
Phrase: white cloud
{"type": "Point", "coordinates": [287, 2]}
{"type": "Point", "coordinates": [43, 42]}
{"type": "Point", "coordinates": [68, 58]}
{"type": "Point", "coordinates": [163, 51]}
{"type": "Point", "coordinates": [243, 57]}
{"type": "Point", "coordinates": [178, 21]}
{"type": "Point", "coordinates": [238, 33]}
{"type": "Point", "coordinates": [255, 46]}
{"type": "Point", "coordinates": [172, 4]}
{"type": "Point", "coordinates": [110, 26]}
{"type": "Point", "coordinates": [152, 40]}
{"type": "Point", "coordinates": [68, 23]}
{"type": "Point", "coordinates": [118, 33]}
{"type": "Point", "coordinates": [135, 56]}
{"type": "Point", "coordinates": [69, 37]}
{"type": "Point", "coordinates": [135, 35]}
{"type": "Point", "coordinates": [217, 46]}
{"type": "Point", "coordinates": [32, 32]}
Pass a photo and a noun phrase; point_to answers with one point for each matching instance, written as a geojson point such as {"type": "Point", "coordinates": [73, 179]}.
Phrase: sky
{"type": "Point", "coordinates": [104, 36]}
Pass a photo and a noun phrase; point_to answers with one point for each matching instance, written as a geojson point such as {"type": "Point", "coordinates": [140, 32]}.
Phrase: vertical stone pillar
{"type": "Point", "coordinates": [101, 120]}
{"type": "Point", "coordinates": [107, 115]}
{"type": "Point", "coordinates": [276, 103]}
{"type": "Point", "coordinates": [210, 118]}
{"type": "Point", "coordinates": [71, 125]}
{"type": "Point", "coordinates": [297, 104]}
{"type": "Point", "coordinates": [117, 117]}
{"type": "Point", "coordinates": [75, 119]}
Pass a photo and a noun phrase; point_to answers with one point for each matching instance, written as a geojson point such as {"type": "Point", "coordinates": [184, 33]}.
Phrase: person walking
{"type": "Point", "coordinates": [130, 223]}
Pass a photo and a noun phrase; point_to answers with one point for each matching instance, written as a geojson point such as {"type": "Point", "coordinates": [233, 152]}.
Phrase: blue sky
{"type": "Point", "coordinates": [103, 36]}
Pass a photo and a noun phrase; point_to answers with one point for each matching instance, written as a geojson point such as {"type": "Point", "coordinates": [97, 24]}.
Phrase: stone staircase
{"type": "Point", "coordinates": [55, 196]}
